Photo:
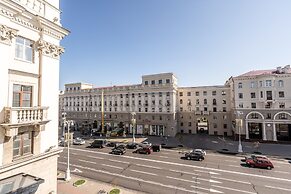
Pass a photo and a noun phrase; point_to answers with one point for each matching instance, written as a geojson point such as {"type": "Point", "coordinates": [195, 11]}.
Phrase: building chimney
{"type": "Point", "coordinates": [279, 70]}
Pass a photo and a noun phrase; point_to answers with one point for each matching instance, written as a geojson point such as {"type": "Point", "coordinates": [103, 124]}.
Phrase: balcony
{"type": "Point", "coordinates": [15, 117]}
{"type": "Point", "coordinates": [198, 112]}
{"type": "Point", "coordinates": [205, 112]}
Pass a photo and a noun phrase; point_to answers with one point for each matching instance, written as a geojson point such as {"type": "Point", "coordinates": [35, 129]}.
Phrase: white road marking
{"type": "Point", "coordinates": [118, 161]}
{"type": "Point", "coordinates": [86, 161]}
{"type": "Point", "coordinates": [178, 171]}
{"type": "Point", "coordinates": [281, 172]}
{"type": "Point", "coordinates": [210, 190]}
{"type": "Point", "coordinates": [111, 166]}
{"type": "Point", "coordinates": [191, 166]}
{"type": "Point", "coordinates": [208, 180]}
{"type": "Point", "coordinates": [76, 170]}
{"type": "Point", "coordinates": [206, 171]}
{"type": "Point", "coordinates": [231, 180]}
{"type": "Point", "coordinates": [148, 166]}
{"type": "Point", "coordinates": [214, 141]}
{"type": "Point", "coordinates": [96, 157]}
{"type": "Point", "coordinates": [284, 189]}
{"type": "Point", "coordinates": [144, 172]}
{"type": "Point", "coordinates": [234, 161]}
{"type": "Point", "coordinates": [185, 180]}
{"type": "Point", "coordinates": [234, 166]}
{"type": "Point", "coordinates": [236, 190]}
{"type": "Point", "coordinates": [62, 163]}
{"type": "Point", "coordinates": [163, 156]}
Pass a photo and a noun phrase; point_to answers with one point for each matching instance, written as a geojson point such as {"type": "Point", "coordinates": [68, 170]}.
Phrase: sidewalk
{"type": "Point", "coordinates": [89, 187]}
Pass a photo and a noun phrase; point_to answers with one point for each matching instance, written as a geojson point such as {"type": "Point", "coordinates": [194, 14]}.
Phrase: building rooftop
{"type": "Point", "coordinates": [279, 70]}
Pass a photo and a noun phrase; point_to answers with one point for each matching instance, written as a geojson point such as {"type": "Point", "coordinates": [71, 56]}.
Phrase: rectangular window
{"type": "Point", "coordinates": [197, 93]}
{"type": "Point", "coordinates": [281, 94]}
{"type": "Point", "coordinates": [160, 94]}
{"type": "Point", "coordinates": [223, 109]}
{"type": "Point", "coordinates": [268, 83]}
{"type": "Point", "coordinates": [240, 85]}
{"type": "Point", "coordinates": [241, 105]}
{"type": "Point", "coordinates": [22, 96]}
{"type": "Point", "coordinates": [281, 105]}
{"type": "Point", "coordinates": [253, 105]}
{"type": "Point", "coordinates": [225, 126]}
{"type": "Point", "coordinates": [167, 81]}
{"type": "Point", "coordinates": [22, 144]}
{"type": "Point", "coordinates": [253, 95]}
{"type": "Point", "coordinates": [223, 93]}
{"type": "Point", "coordinates": [269, 95]}
{"type": "Point", "coordinates": [281, 83]}
{"type": "Point", "coordinates": [214, 109]}
{"type": "Point", "coordinates": [180, 93]}
{"type": "Point", "coordinates": [160, 81]}
{"type": "Point", "coordinates": [213, 93]}
{"type": "Point", "coordinates": [24, 49]}
{"type": "Point", "coordinates": [188, 93]}
{"type": "Point", "coordinates": [189, 124]}
{"type": "Point", "coordinates": [240, 95]}
{"type": "Point", "coordinates": [204, 93]}
{"type": "Point", "coordinates": [153, 82]}
{"type": "Point", "coordinates": [252, 84]}
{"type": "Point", "coordinates": [146, 83]}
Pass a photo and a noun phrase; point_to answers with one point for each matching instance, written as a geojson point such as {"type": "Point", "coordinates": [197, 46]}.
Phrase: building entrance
{"type": "Point", "coordinates": [255, 130]}
{"type": "Point", "coordinates": [283, 132]}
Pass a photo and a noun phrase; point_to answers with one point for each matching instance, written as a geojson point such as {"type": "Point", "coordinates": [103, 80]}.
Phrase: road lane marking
{"type": "Point", "coordinates": [234, 161]}
{"type": "Point", "coordinates": [118, 161]}
{"type": "Point", "coordinates": [144, 172]}
{"type": "Point", "coordinates": [185, 180]}
{"type": "Point", "coordinates": [236, 190]}
{"type": "Point", "coordinates": [111, 166]}
{"type": "Point", "coordinates": [215, 173]}
{"type": "Point", "coordinates": [210, 190]}
{"type": "Point", "coordinates": [284, 189]}
{"type": "Point", "coordinates": [234, 166]}
{"type": "Point", "coordinates": [95, 157]}
{"type": "Point", "coordinates": [139, 179]}
{"type": "Point", "coordinates": [163, 156]}
{"type": "Point", "coordinates": [191, 166]}
{"type": "Point", "coordinates": [231, 180]}
{"type": "Point", "coordinates": [178, 171]}
{"type": "Point", "coordinates": [208, 180]}
{"type": "Point", "coordinates": [281, 172]}
{"type": "Point", "coordinates": [148, 166]}
{"type": "Point", "coordinates": [86, 161]}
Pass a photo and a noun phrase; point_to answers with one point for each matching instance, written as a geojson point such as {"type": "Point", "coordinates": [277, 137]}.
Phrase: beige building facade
{"type": "Point", "coordinates": [256, 105]}
{"type": "Point", "coordinates": [30, 34]}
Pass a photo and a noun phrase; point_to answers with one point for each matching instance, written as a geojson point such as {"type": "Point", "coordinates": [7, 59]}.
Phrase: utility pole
{"type": "Point", "coordinates": [102, 112]}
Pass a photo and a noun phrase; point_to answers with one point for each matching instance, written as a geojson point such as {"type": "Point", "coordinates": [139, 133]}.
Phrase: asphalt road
{"type": "Point", "coordinates": [165, 172]}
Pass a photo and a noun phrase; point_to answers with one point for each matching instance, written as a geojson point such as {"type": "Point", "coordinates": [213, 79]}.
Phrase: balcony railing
{"type": "Point", "coordinates": [20, 115]}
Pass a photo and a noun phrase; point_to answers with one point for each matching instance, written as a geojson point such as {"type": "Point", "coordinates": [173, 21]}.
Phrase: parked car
{"type": "Point", "coordinates": [259, 163]}
{"type": "Point", "coordinates": [194, 156]}
{"type": "Point", "coordinates": [145, 143]}
{"type": "Point", "coordinates": [143, 150]}
{"type": "Point", "coordinates": [200, 151]}
{"type": "Point", "coordinates": [118, 151]}
{"type": "Point", "coordinates": [254, 156]}
{"type": "Point", "coordinates": [98, 143]}
{"type": "Point", "coordinates": [78, 141]}
{"type": "Point", "coordinates": [156, 147]}
{"type": "Point", "coordinates": [111, 144]}
{"type": "Point", "coordinates": [131, 145]}
{"type": "Point", "coordinates": [120, 146]}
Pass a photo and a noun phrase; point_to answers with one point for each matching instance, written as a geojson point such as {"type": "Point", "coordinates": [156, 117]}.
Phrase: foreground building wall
{"type": "Point", "coordinates": [30, 34]}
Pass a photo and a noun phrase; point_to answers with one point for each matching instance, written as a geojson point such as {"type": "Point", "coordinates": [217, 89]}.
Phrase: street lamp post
{"type": "Point", "coordinates": [133, 121]}
{"type": "Point", "coordinates": [68, 124]}
{"type": "Point", "coordinates": [239, 124]}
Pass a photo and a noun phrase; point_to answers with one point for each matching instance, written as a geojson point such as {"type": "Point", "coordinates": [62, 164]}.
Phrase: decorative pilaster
{"type": "Point", "coordinates": [264, 132]}
{"type": "Point", "coordinates": [274, 132]}
{"type": "Point", "coordinates": [247, 130]}
{"type": "Point", "coordinates": [6, 34]}
{"type": "Point", "coordinates": [49, 49]}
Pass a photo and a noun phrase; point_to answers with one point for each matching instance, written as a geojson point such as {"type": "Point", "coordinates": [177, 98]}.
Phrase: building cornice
{"type": "Point", "coordinates": [19, 15]}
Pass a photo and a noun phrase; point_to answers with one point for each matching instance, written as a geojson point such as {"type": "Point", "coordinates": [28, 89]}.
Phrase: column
{"type": "Point", "coordinates": [247, 130]}
{"type": "Point", "coordinates": [264, 132]}
{"type": "Point", "coordinates": [274, 132]}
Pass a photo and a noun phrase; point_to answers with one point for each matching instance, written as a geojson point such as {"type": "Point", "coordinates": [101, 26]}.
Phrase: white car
{"type": "Point", "coordinates": [200, 151]}
{"type": "Point", "coordinates": [78, 141]}
{"type": "Point", "coordinates": [145, 143]}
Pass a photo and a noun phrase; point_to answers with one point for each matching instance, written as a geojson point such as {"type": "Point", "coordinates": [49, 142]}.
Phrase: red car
{"type": "Point", "coordinates": [143, 150]}
{"type": "Point", "coordinates": [260, 163]}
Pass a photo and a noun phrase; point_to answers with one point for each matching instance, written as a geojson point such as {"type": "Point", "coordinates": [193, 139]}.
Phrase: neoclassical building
{"type": "Point", "coordinates": [261, 100]}
{"type": "Point", "coordinates": [30, 34]}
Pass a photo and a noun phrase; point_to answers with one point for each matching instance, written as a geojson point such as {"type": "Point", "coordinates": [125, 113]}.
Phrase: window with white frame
{"type": "Point", "coordinates": [239, 85]}
{"type": "Point", "coordinates": [24, 49]}
{"type": "Point", "coordinates": [268, 83]}
{"type": "Point", "coordinates": [252, 84]}
{"type": "Point", "coordinates": [280, 83]}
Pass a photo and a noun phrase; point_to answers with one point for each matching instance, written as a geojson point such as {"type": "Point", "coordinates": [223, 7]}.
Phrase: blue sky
{"type": "Point", "coordinates": [114, 42]}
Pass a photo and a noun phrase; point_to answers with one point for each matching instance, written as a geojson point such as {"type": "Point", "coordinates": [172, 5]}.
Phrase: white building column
{"type": "Point", "coordinates": [247, 130]}
{"type": "Point", "coordinates": [264, 132]}
{"type": "Point", "coordinates": [274, 132]}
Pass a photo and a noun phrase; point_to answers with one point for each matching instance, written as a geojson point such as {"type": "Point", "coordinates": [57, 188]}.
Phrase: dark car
{"type": "Point", "coordinates": [194, 156]}
{"type": "Point", "coordinates": [143, 150]}
{"type": "Point", "coordinates": [260, 163]}
{"type": "Point", "coordinates": [156, 148]}
{"type": "Point", "coordinates": [120, 146]}
{"type": "Point", "coordinates": [98, 143]}
{"type": "Point", "coordinates": [118, 151]}
{"type": "Point", "coordinates": [132, 145]}
{"type": "Point", "coordinates": [111, 144]}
